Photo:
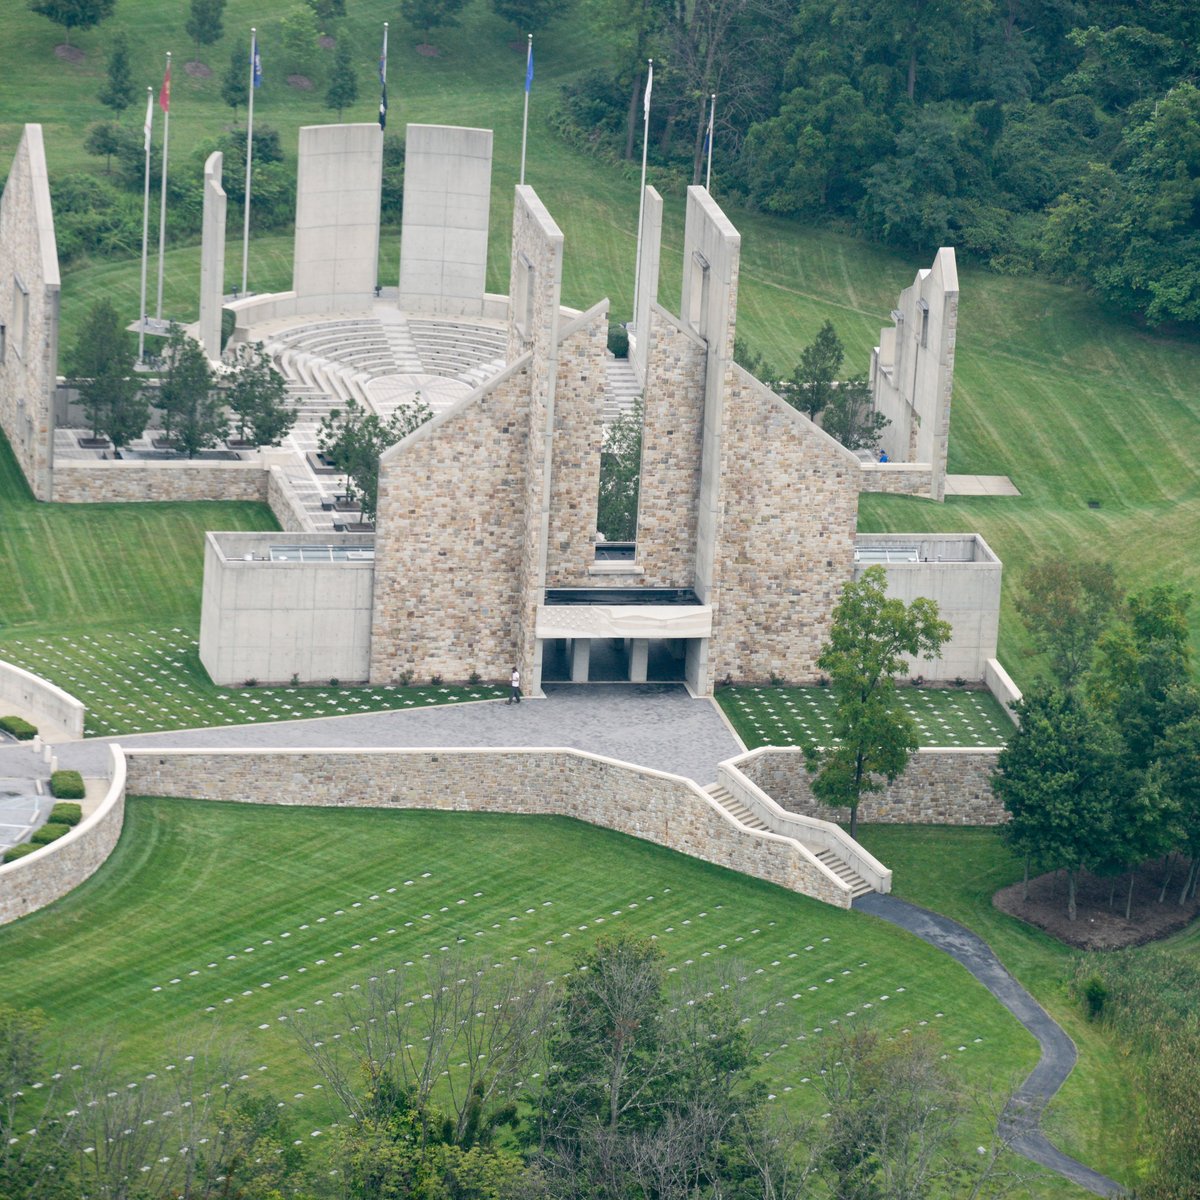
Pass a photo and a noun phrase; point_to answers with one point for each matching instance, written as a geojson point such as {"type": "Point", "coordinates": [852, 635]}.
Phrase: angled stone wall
{"type": "Point", "coordinates": [212, 257]}
{"type": "Point", "coordinates": [29, 305]}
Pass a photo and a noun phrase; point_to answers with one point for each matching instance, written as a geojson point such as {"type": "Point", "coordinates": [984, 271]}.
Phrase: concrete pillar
{"type": "Point", "coordinates": [647, 281]}
{"type": "Point", "coordinates": [639, 655]}
{"type": "Point", "coordinates": [581, 653]}
{"type": "Point", "coordinates": [212, 257]}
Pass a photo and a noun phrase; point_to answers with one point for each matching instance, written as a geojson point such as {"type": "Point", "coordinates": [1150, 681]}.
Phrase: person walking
{"type": "Point", "coordinates": [515, 682]}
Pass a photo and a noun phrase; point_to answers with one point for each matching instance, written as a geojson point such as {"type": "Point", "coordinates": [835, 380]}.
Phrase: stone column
{"type": "Point", "coordinates": [639, 655]}
{"type": "Point", "coordinates": [212, 257]}
{"type": "Point", "coordinates": [581, 653]}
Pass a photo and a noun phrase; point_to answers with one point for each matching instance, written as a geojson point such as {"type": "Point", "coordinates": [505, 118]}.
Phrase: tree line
{"type": "Point", "coordinates": [463, 1080]}
{"type": "Point", "coordinates": [1103, 773]}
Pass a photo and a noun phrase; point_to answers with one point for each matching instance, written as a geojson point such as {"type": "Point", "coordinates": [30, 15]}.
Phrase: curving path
{"type": "Point", "coordinates": [1019, 1123]}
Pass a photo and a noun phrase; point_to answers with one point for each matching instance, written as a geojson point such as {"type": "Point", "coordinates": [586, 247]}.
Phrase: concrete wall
{"type": "Point", "coordinates": [57, 714]}
{"type": "Point", "coordinates": [942, 786]}
{"type": "Point", "coordinates": [647, 281]}
{"type": "Point", "coordinates": [960, 573]}
{"type": "Point", "coordinates": [269, 621]}
{"type": "Point", "coordinates": [338, 177]}
{"type": "Point", "coordinates": [660, 808]}
{"type": "Point", "coordinates": [444, 233]}
{"type": "Point", "coordinates": [29, 301]}
{"type": "Point", "coordinates": [212, 257]}
{"type": "Point", "coordinates": [39, 879]}
{"type": "Point", "coordinates": [912, 370]}
{"type": "Point", "coordinates": [998, 682]}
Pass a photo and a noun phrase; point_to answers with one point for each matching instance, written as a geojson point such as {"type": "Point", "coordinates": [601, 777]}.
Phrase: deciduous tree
{"type": "Point", "coordinates": [870, 640]}
{"type": "Point", "coordinates": [850, 415]}
{"type": "Point", "coordinates": [427, 15]}
{"type": "Point", "coordinates": [343, 83]}
{"type": "Point", "coordinates": [257, 396]}
{"type": "Point", "coordinates": [74, 14]}
{"type": "Point", "coordinates": [620, 477]}
{"type": "Point", "coordinates": [118, 90]}
{"type": "Point", "coordinates": [193, 419]}
{"type": "Point", "coordinates": [102, 362]}
{"type": "Point", "coordinates": [205, 22]}
{"type": "Point", "coordinates": [235, 84]}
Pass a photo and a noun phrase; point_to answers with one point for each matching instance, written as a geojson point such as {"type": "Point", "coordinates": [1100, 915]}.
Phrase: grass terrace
{"type": "Point", "coordinates": [803, 716]}
{"type": "Point", "coordinates": [133, 964]}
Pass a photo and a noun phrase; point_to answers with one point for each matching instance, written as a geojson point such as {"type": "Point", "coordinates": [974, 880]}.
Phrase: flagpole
{"type": "Point", "coordinates": [162, 219]}
{"type": "Point", "coordinates": [637, 267]}
{"type": "Point", "coordinates": [383, 102]}
{"type": "Point", "coordinates": [712, 112]}
{"type": "Point", "coordinates": [249, 158]}
{"type": "Point", "coordinates": [525, 122]}
{"type": "Point", "coordinates": [147, 130]}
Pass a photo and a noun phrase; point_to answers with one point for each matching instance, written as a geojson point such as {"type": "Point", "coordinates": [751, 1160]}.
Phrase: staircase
{"type": "Point", "coordinates": [740, 813]}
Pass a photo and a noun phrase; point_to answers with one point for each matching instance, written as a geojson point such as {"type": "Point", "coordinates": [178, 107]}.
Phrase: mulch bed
{"type": "Point", "coordinates": [71, 54]}
{"type": "Point", "coordinates": [428, 51]}
{"type": "Point", "coordinates": [1096, 925]}
{"type": "Point", "coordinates": [301, 83]}
{"type": "Point", "coordinates": [326, 42]}
{"type": "Point", "coordinates": [198, 70]}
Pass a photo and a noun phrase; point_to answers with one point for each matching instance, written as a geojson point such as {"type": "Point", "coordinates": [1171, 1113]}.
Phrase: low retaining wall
{"type": "Point", "coordinates": [665, 809]}
{"type": "Point", "coordinates": [57, 714]}
{"type": "Point", "coordinates": [903, 479]}
{"type": "Point", "coordinates": [98, 481]}
{"type": "Point", "coordinates": [1002, 687]}
{"type": "Point", "coordinates": [39, 879]}
{"type": "Point", "coordinates": [285, 503]}
{"type": "Point", "coordinates": [941, 786]}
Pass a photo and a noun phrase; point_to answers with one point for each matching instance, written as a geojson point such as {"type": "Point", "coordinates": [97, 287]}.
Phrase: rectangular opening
{"type": "Point", "coordinates": [523, 297]}
{"type": "Point", "coordinates": [20, 316]}
{"type": "Point", "coordinates": [923, 309]}
{"type": "Point", "coordinates": [697, 313]}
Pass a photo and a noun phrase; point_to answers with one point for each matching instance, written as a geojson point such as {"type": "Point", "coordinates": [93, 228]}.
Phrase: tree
{"type": "Point", "coordinates": [118, 92]}
{"type": "Point", "coordinates": [105, 138]}
{"type": "Point", "coordinates": [205, 22]}
{"type": "Point", "coordinates": [235, 86]}
{"type": "Point", "coordinates": [1177, 757]}
{"type": "Point", "coordinates": [102, 361]}
{"type": "Point", "coordinates": [850, 415]}
{"type": "Point", "coordinates": [328, 10]}
{"type": "Point", "coordinates": [257, 397]}
{"type": "Point", "coordinates": [353, 439]}
{"type": "Point", "coordinates": [1057, 778]}
{"type": "Point", "coordinates": [300, 31]}
{"type": "Point", "coordinates": [343, 83]}
{"type": "Point", "coordinates": [74, 14]}
{"type": "Point", "coordinates": [815, 373]}
{"type": "Point", "coordinates": [1067, 604]}
{"type": "Point", "coordinates": [427, 15]}
{"type": "Point", "coordinates": [869, 640]}
{"type": "Point", "coordinates": [530, 15]}
{"type": "Point", "coordinates": [620, 477]}
{"type": "Point", "coordinates": [192, 416]}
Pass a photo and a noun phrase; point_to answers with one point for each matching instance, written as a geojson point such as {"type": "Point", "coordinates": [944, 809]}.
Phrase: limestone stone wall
{"type": "Point", "coordinates": [29, 303]}
{"type": "Point", "coordinates": [672, 438]}
{"type": "Point", "coordinates": [39, 879]}
{"type": "Point", "coordinates": [898, 479]}
{"type": "Point", "coordinates": [58, 715]}
{"type": "Point", "coordinates": [785, 541]}
{"type": "Point", "coordinates": [96, 481]}
{"type": "Point", "coordinates": [449, 538]}
{"type": "Point", "coordinates": [285, 503]}
{"type": "Point", "coordinates": [942, 786]}
{"type": "Point", "coordinates": [660, 808]}
{"type": "Point", "coordinates": [578, 433]}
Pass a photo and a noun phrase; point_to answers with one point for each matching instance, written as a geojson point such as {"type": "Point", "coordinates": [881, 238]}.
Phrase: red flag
{"type": "Point", "coordinates": [164, 95]}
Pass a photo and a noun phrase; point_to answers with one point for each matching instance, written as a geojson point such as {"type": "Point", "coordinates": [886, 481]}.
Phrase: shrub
{"type": "Point", "coordinates": [66, 813]}
{"type": "Point", "coordinates": [49, 832]}
{"type": "Point", "coordinates": [1095, 993]}
{"type": "Point", "coordinates": [435, 681]}
{"type": "Point", "coordinates": [67, 785]}
{"type": "Point", "coordinates": [251, 682]}
{"type": "Point", "coordinates": [335, 682]}
{"type": "Point", "coordinates": [21, 729]}
{"type": "Point", "coordinates": [20, 852]}
{"type": "Point", "coordinates": [406, 678]}
{"type": "Point", "coordinates": [473, 678]}
{"type": "Point", "coordinates": [618, 341]}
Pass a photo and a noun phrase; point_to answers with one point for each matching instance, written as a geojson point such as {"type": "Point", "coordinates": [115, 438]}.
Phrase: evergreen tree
{"type": "Point", "coordinates": [74, 14]}
{"type": "Point", "coordinates": [102, 362]}
{"type": "Point", "coordinates": [205, 22]}
{"type": "Point", "coordinates": [193, 419]}
{"type": "Point", "coordinates": [235, 86]}
{"type": "Point", "coordinates": [343, 83]}
{"type": "Point", "coordinates": [427, 15]}
{"type": "Point", "coordinates": [118, 92]}
{"type": "Point", "coordinates": [815, 373]}
{"type": "Point", "coordinates": [870, 639]}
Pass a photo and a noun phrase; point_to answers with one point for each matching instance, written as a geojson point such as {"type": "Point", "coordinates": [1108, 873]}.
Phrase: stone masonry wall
{"type": "Point", "coordinates": [96, 481]}
{"type": "Point", "coordinates": [663, 809]}
{"type": "Point", "coordinates": [672, 435]}
{"type": "Point", "coordinates": [575, 473]}
{"type": "Point", "coordinates": [285, 503]}
{"type": "Point", "coordinates": [448, 540]}
{"type": "Point", "coordinates": [785, 544]}
{"type": "Point", "coordinates": [899, 479]}
{"type": "Point", "coordinates": [942, 786]}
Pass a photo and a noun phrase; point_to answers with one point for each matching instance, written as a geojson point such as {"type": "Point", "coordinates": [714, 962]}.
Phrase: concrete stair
{"type": "Point", "coordinates": [622, 389]}
{"type": "Point", "coordinates": [736, 809]}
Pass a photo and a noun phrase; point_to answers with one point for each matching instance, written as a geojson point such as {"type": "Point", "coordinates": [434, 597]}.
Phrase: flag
{"type": "Point", "coordinates": [255, 63]}
{"type": "Point", "coordinates": [164, 95]}
{"type": "Point", "coordinates": [649, 87]}
{"type": "Point", "coordinates": [149, 125]}
{"type": "Point", "coordinates": [709, 131]}
{"type": "Point", "coordinates": [383, 103]}
{"type": "Point", "coordinates": [529, 68]}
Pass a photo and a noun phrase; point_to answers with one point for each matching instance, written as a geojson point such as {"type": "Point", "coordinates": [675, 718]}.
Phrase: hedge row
{"type": "Point", "coordinates": [21, 729]}
{"type": "Point", "coordinates": [66, 785]}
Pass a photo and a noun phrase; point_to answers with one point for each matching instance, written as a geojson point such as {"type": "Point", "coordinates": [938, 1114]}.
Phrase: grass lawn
{"type": "Point", "coordinates": [300, 905]}
{"type": "Point", "coordinates": [1097, 1115]}
{"type": "Point", "coordinates": [801, 716]}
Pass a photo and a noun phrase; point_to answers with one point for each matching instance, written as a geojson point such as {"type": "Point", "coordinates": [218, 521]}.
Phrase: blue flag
{"type": "Point", "coordinates": [529, 68]}
{"type": "Point", "coordinates": [255, 63]}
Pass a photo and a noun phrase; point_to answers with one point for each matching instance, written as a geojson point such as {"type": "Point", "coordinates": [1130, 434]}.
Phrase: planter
{"type": "Point", "coordinates": [94, 443]}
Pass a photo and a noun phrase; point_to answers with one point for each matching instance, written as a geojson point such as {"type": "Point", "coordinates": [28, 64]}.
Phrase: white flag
{"type": "Point", "coordinates": [149, 123]}
{"type": "Point", "coordinates": [649, 86]}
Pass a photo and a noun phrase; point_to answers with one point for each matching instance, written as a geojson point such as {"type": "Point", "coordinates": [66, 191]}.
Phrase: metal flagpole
{"type": "Point", "coordinates": [164, 102]}
{"type": "Point", "coordinates": [528, 85]}
{"type": "Point", "coordinates": [147, 130]}
{"type": "Point", "coordinates": [712, 112]}
{"type": "Point", "coordinates": [383, 100]}
{"type": "Point", "coordinates": [637, 267]}
{"type": "Point", "coordinates": [255, 80]}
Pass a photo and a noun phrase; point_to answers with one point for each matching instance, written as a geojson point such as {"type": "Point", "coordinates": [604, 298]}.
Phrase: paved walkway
{"type": "Point", "coordinates": [1019, 1123]}
{"type": "Point", "coordinates": [657, 725]}
{"type": "Point", "coordinates": [980, 485]}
